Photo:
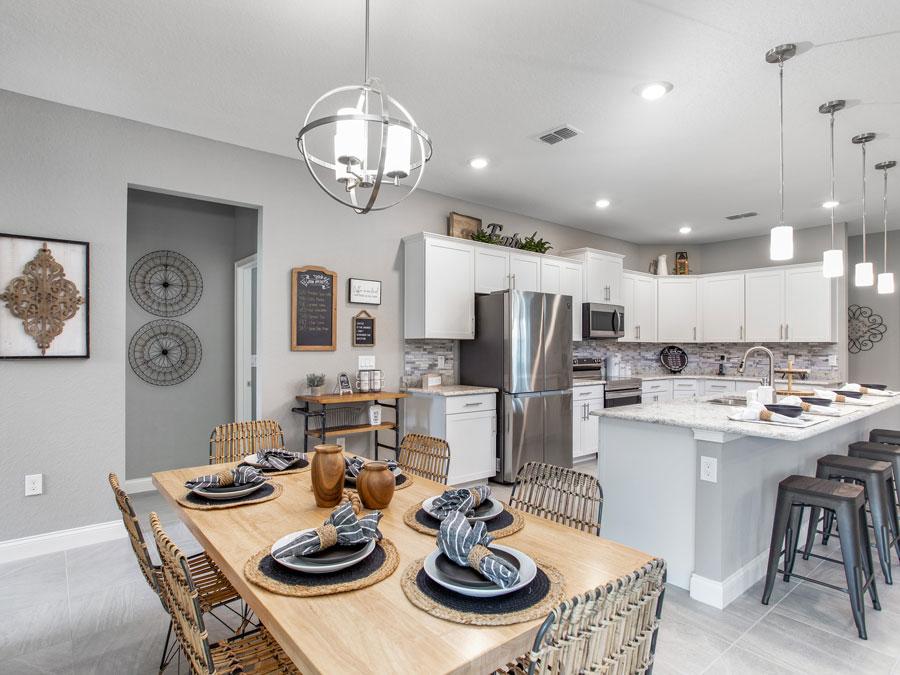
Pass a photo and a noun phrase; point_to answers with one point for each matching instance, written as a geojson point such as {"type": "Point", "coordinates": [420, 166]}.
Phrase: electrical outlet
{"type": "Point", "coordinates": [34, 484]}
{"type": "Point", "coordinates": [708, 469]}
{"type": "Point", "coordinates": [365, 362]}
{"type": "Point", "coordinates": [341, 441]}
{"type": "Point", "coordinates": [442, 362]}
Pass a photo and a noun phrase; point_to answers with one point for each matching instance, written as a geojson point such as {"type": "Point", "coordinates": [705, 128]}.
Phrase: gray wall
{"type": "Point", "coordinates": [65, 173]}
{"type": "Point", "coordinates": [752, 252]}
{"type": "Point", "coordinates": [167, 427]}
{"type": "Point", "coordinates": [882, 362]}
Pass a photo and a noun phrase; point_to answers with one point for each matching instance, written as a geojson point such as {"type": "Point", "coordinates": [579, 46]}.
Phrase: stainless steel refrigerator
{"type": "Point", "coordinates": [523, 347]}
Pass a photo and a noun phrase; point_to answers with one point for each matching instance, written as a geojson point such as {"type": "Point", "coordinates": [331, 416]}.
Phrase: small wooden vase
{"type": "Point", "coordinates": [375, 485]}
{"type": "Point", "coordinates": [327, 471]}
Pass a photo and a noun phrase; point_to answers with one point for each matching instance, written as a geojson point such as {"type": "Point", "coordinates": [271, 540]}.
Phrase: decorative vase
{"type": "Point", "coordinates": [327, 470]}
{"type": "Point", "coordinates": [316, 391]}
{"type": "Point", "coordinates": [375, 485]}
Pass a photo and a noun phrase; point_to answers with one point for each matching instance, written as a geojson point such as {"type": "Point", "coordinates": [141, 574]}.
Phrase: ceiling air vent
{"type": "Point", "coordinates": [738, 216]}
{"type": "Point", "coordinates": [558, 134]}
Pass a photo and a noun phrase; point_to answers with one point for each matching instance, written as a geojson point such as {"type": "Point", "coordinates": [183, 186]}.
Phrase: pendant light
{"type": "Point", "coordinates": [781, 237]}
{"type": "Point", "coordinates": [885, 279]}
{"type": "Point", "coordinates": [833, 258]}
{"type": "Point", "coordinates": [370, 147]}
{"type": "Point", "coordinates": [864, 272]}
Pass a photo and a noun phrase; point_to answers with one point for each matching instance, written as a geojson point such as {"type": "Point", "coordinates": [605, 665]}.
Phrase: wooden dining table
{"type": "Point", "coordinates": [377, 629]}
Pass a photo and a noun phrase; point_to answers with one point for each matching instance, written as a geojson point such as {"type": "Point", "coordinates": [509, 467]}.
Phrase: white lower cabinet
{"type": "Point", "coordinates": [682, 389]}
{"type": "Point", "coordinates": [585, 427]}
{"type": "Point", "coordinates": [467, 423]}
{"type": "Point", "coordinates": [656, 391]}
{"type": "Point", "coordinates": [718, 387]}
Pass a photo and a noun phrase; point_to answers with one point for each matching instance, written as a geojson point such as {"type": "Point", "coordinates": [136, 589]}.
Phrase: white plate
{"type": "Point", "coordinates": [253, 461]}
{"type": "Point", "coordinates": [527, 572]}
{"type": "Point", "coordinates": [495, 510]}
{"type": "Point", "coordinates": [296, 564]}
{"type": "Point", "coordinates": [224, 496]}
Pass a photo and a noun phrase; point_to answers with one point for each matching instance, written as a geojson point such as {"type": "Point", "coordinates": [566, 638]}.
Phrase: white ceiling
{"type": "Point", "coordinates": [483, 77]}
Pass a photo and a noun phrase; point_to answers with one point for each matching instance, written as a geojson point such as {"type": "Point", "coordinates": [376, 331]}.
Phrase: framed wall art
{"type": "Point", "coordinates": [313, 309]}
{"type": "Point", "coordinates": [364, 291]}
{"type": "Point", "coordinates": [363, 330]}
{"type": "Point", "coordinates": [44, 298]}
{"type": "Point", "coordinates": [459, 225]}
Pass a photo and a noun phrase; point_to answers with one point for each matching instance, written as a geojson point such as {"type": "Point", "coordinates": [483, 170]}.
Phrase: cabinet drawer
{"type": "Point", "coordinates": [466, 404]}
{"type": "Point", "coordinates": [685, 385]}
{"type": "Point", "coordinates": [655, 386]}
{"type": "Point", "coordinates": [711, 387]}
{"type": "Point", "coordinates": [587, 393]}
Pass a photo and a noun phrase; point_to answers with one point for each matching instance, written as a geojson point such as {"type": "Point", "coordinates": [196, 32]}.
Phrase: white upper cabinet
{"type": "Point", "coordinates": [764, 306]}
{"type": "Point", "coordinates": [571, 283]}
{"type": "Point", "coordinates": [676, 309]}
{"type": "Point", "coordinates": [630, 329]}
{"type": "Point", "coordinates": [602, 275]}
{"type": "Point", "coordinates": [525, 272]}
{"type": "Point", "coordinates": [808, 305]}
{"type": "Point", "coordinates": [639, 299]}
{"type": "Point", "coordinates": [551, 275]}
{"type": "Point", "coordinates": [722, 308]}
{"type": "Point", "coordinates": [439, 288]}
{"type": "Point", "coordinates": [491, 269]}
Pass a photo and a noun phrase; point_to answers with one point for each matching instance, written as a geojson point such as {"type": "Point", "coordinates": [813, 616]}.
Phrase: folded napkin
{"type": "Point", "coordinates": [467, 546]}
{"type": "Point", "coordinates": [868, 391]}
{"type": "Point", "coordinates": [757, 411]}
{"type": "Point", "coordinates": [830, 395]}
{"type": "Point", "coordinates": [808, 407]}
{"type": "Point", "coordinates": [341, 528]}
{"type": "Point", "coordinates": [353, 465]}
{"type": "Point", "coordinates": [463, 500]}
{"type": "Point", "coordinates": [239, 475]}
{"type": "Point", "coordinates": [277, 459]}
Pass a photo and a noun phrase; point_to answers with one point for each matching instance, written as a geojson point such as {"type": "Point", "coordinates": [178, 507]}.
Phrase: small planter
{"type": "Point", "coordinates": [316, 391]}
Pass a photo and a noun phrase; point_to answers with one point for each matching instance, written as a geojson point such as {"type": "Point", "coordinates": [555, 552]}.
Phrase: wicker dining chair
{"type": "Point", "coordinates": [253, 652]}
{"type": "Point", "coordinates": [233, 441]}
{"type": "Point", "coordinates": [564, 495]}
{"type": "Point", "coordinates": [214, 590]}
{"type": "Point", "coordinates": [425, 456]}
{"type": "Point", "coordinates": [611, 629]}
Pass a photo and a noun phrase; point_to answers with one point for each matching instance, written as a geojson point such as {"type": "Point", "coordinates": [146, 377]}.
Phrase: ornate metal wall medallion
{"type": "Point", "coordinates": [165, 283]}
{"type": "Point", "coordinates": [864, 329]}
{"type": "Point", "coordinates": [43, 298]}
{"type": "Point", "coordinates": [164, 352]}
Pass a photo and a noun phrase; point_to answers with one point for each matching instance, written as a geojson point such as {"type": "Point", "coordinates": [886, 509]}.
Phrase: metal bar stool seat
{"type": "Point", "coordinates": [891, 436]}
{"type": "Point", "coordinates": [881, 450]}
{"type": "Point", "coordinates": [847, 502]}
{"type": "Point", "coordinates": [878, 479]}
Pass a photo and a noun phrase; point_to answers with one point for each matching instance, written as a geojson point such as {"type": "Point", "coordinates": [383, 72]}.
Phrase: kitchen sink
{"type": "Point", "coordinates": [729, 400]}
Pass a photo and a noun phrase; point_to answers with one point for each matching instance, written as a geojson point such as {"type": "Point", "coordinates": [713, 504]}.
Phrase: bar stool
{"type": "Point", "coordinates": [878, 479]}
{"type": "Point", "coordinates": [891, 436]}
{"type": "Point", "coordinates": [886, 451]}
{"type": "Point", "coordinates": [847, 502]}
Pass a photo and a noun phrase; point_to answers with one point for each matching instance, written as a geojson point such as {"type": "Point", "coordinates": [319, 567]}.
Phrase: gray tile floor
{"type": "Point", "coordinates": [89, 610]}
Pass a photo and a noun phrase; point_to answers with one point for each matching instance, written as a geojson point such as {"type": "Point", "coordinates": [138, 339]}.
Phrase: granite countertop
{"type": "Point", "coordinates": [798, 383]}
{"type": "Point", "coordinates": [712, 417]}
{"type": "Point", "coordinates": [451, 390]}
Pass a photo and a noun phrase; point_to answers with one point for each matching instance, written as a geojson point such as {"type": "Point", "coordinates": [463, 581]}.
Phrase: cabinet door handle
{"type": "Point", "coordinates": [472, 405]}
{"type": "Point", "coordinates": [781, 331]}
{"type": "Point", "coordinates": [741, 332]}
{"type": "Point", "coordinates": [494, 424]}
{"type": "Point", "coordinates": [695, 333]}
{"type": "Point", "coordinates": [586, 418]}
{"type": "Point", "coordinates": [786, 326]}
{"type": "Point", "coordinates": [513, 281]}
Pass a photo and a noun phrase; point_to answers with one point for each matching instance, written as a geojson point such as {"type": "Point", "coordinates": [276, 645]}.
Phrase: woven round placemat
{"type": "Point", "coordinates": [402, 481]}
{"type": "Point", "coordinates": [263, 571]}
{"type": "Point", "coordinates": [534, 601]}
{"type": "Point", "coordinates": [268, 491]}
{"type": "Point", "coordinates": [507, 523]}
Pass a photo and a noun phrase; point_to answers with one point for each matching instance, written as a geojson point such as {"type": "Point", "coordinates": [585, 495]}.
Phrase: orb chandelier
{"type": "Point", "coordinates": [781, 237]}
{"type": "Point", "coordinates": [358, 144]}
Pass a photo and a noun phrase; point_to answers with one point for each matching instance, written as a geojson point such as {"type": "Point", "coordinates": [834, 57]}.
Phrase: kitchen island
{"type": "Point", "coordinates": [681, 479]}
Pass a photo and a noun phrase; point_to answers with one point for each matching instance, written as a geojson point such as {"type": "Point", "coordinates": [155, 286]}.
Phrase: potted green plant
{"type": "Point", "coordinates": [534, 244]}
{"type": "Point", "coordinates": [316, 383]}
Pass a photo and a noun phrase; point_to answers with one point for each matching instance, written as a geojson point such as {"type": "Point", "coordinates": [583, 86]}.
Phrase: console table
{"type": "Point", "coordinates": [322, 402]}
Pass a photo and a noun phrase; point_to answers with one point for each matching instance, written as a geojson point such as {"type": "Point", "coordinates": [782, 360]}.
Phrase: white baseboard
{"type": "Point", "coordinates": [720, 594]}
{"type": "Point", "coordinates": [60, 540]}
{"type": "Point", "coordinates": [135, 485]}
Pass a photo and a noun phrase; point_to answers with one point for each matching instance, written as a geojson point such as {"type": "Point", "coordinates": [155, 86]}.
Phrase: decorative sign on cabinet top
{"type": "Point", "coordinates": [313, 309]}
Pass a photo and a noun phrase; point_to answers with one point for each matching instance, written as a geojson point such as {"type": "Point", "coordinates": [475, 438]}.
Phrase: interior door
{"type": "Point", "coordinates": [245, 385]}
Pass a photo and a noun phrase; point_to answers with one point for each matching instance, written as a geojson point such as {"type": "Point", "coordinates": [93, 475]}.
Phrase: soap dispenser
{"type": "Point", "coordinates": [722, 364]}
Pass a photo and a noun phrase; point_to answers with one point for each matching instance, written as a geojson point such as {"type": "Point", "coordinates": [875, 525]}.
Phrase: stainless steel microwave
{"type": "Point", "coordinates": [602, 321]}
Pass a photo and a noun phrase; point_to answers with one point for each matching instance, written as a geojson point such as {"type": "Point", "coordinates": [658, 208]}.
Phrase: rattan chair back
{"type": "Point", "coordinates": [234, 441]}
{"type": "Point", "coordinates": [425, 456]}
{"type": "Point", "coordinates": [135, 535]}
{"type": "Point", "coordinates": [563, 495]}
{"type": "Point", "coordinates": [182, 600]}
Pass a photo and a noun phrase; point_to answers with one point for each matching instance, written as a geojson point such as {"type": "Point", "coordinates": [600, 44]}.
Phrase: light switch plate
{"type": "Point", "coordinates": [365, 362]}
{"type": "Point", "coordinates": [708, 469]}
{"type": "Point", "coordinates": [34, 484]}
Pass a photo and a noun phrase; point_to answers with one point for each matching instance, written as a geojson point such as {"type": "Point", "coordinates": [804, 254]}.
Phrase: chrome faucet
{"type": "Point", "coordinates": [765, 381]}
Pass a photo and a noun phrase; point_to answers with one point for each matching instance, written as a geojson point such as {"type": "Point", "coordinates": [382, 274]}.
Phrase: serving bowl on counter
{"type": "Point", "coordinates": [814, 400]}
{"type": "Point", "coordinates": [880, 387]}
{"type": "Point", "coordinates": [848, 394]}
{"type": "Point", "coordinates": [784, 409]}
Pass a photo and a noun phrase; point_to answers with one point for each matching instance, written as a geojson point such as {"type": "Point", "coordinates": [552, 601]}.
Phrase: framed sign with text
{"type": "Point", "coordinates": [363, 330]}
{"type": "Point", "coordinates": [364, 291]}
{"type": "Point", "coordinates": [313, 309]}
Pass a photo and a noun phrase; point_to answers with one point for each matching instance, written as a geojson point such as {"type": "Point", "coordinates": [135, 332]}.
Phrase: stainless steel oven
{"type": "Point", "coordinates": [602, 321]}
{"type": "Point", "coordinates": [621, 391]}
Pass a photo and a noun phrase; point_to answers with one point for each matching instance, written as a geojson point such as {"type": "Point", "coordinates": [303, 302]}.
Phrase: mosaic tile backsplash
{"type": "Point", "coordinates": [421, 356]}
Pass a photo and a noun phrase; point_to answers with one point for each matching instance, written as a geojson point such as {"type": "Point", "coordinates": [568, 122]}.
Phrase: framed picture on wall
{"type": "Point", "coordinates": [364, 291]}
{"type": "Point", "coordinates": [44, 298]}
{"type": "Point", "coordinates": [462, 226]}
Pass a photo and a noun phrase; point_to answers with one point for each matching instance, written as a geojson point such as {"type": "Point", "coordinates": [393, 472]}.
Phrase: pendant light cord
{"type": "Point", "coordinates": [832, 178]}
{"type": "Point", "coordinates": [781, 137]}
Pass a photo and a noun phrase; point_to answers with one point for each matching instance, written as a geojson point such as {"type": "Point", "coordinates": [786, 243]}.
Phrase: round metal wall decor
{"type": "Point", "coordinates": [164, 352]}
{"type": "Point", "coordinates": [864, 329]}
{"type": "Point", "coordinates": [165, 283]}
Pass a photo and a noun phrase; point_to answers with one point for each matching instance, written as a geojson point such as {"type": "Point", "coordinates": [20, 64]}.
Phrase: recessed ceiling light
{"type": "Point", "coordinates": [478, 162]}
{"type": "Point", "coordinates": [601, 203]}
{"type": "Point", "coordinates": [655, 90]}
{"type": "Point", "coordinates": [685, 229]}
{"type": "Point", "coordinates": [830, 204]}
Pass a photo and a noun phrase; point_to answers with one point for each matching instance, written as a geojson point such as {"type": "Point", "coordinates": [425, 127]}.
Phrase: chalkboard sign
{"type": "Point", "coordinates": [313, 308]}
{"type": "Point", "coordinates": [363, 330]}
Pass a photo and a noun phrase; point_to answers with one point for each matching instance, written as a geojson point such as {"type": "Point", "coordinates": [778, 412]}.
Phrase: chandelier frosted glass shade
{"type": "Point", "coordinates": [864, 274]}
{"type": "Point", "coordinates": [833, 263]}
{"type": "Point", "coordinates": [781, 242]}
{"type": "Point", "coordinates": [885, 283]}
{"type": "Point", "coordinates": [361, 154]}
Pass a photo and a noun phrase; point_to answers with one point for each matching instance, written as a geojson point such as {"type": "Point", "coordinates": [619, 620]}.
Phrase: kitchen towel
{"type": "Point", "coordinates": [467, 546]}
{"type": "Point", "coordinates": [463, 500]}
{"type": "Point", "coordinates": [341, 528]}
{"type": "Point", "coordinates": [239, 475]}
